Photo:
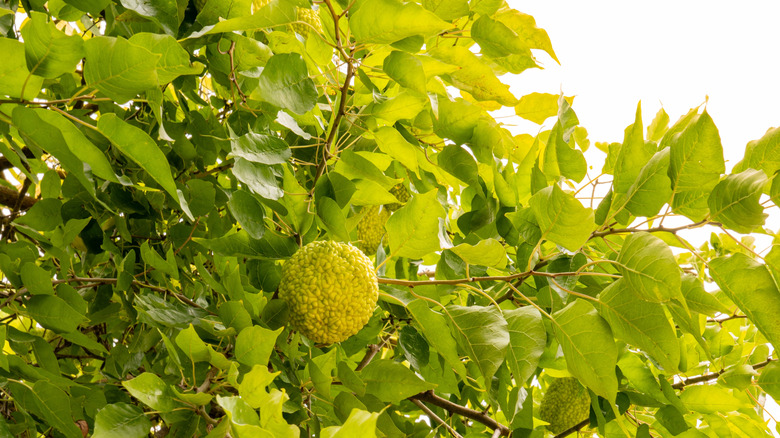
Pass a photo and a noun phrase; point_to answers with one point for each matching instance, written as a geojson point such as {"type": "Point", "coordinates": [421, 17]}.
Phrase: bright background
{"type": "Point", "coordinates": [668, 53]}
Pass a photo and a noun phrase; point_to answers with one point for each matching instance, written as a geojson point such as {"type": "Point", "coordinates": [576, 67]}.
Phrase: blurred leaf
{"type": "Point", "coordinates": [709, 399]}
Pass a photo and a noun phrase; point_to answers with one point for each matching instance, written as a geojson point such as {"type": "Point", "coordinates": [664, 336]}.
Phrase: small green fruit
{"type": "Point", "coordinates": [565, 404]}
{"type": "Point", "coordinates": [307, 16]}
{"type": "Point", "coordinates": [402, 194]}
{"type": "Point", "coordinates": [331, 290]}
{"type": "Point", "coordinates": [371, 229]}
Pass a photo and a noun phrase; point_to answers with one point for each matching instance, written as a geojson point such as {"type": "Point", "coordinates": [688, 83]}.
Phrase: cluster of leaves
{"type": "Point", "coordinates": [162, 159]}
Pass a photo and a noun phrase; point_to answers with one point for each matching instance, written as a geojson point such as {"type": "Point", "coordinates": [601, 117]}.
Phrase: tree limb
{"type": "Point", "coordinates": [436, 418]}
{"type": "Point", "coordinates": [478, 416]}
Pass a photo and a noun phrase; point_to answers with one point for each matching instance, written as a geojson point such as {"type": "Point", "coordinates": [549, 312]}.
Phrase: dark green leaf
{"type": "Point", "coordinates": [285, 83]}
{"type": "Point", "coordinates": [248, 212]}
{"type": "Point", "coordinates": [392, 382]}
{"type": "Point", "coordinates": [121, 420]}
{"type": "Point", "coordinates": [54, 313]}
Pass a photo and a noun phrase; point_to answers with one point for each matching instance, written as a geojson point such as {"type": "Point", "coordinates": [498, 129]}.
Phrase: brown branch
{"type": "Point", "coordinates": [9, 197]}
{"type": "Point", "coordinates": [463, 411]}
{"type": "Point", "coordinates": [436, 418]}
{"type": "Point", "coordinates": [344, 91]}
{"type": "Point", "coordinates": [679, 385]}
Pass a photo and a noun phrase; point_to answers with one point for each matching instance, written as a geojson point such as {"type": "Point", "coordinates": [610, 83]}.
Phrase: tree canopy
{"type": "Point", "coordinates": [163, 160]}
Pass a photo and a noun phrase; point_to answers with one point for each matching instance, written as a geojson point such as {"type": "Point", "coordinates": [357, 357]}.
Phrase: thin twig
{"type": "Point", "coordinates": [463, 411]}
{"type": "Point", "coordinates": [438, 419]}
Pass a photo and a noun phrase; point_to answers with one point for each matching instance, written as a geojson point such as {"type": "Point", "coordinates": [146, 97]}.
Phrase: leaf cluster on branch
{"type": "Point", "coordinates": [163, 161]}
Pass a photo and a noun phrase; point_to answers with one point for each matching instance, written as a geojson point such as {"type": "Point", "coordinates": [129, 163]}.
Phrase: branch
{"type": "Point", "coordinates": [652, 230]}
{"type": "Point", "coordinates": [480, 417]}
{"type": "Point", "coordinates": [679, 385]}
{"type": "Point", "coordinates": [9, 196]}
{"type": "Point", "coordinates": [436, 418]}
{"type": "Point", "coordinates": [455, 281]}
{"type": "Point", "coordinates": [341, 111]}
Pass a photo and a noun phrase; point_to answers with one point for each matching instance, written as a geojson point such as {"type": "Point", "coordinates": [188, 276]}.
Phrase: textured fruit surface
{"type": "Point", "coordinates": [331, 290]}
{"type": "Point", "coordinates": [402, 194]}
{"type": "Point", "coordinates": [259, 4]}
{"type": "Point", "coordinates": [565, 403]}
{"type": "Point", "coordinates": [371, 229]}
{"type": "Point", "coordinates": [307, 16]}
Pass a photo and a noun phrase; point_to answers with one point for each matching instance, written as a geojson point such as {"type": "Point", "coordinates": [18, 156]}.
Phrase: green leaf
{"type": "Point", "coordinates": [253, 387]}
{"type": "Point", "coordinates": [119, 69]}
{"type": "Point", "coordinates": [406, 105]}
{"type": "Point", "coordinates": [447, 9]}
{"type": "Point", "coordinates": [49, 52]}
{"type": "Point", "coordinates": [50, 139]}
{"type": "Point", "coordinates": [483, 334]}
{"type": "Point", "coordinates": [259, 148]}
{"type": "Point", "coordinates": [588, 347]}
{"type": "Point", "coordinates": [640, 323]}
{"type": "Point", "coordinates": [152, 391]}
{"type": "Point", "coordinates": [434, 327]}
{"type": "Point", "coordinates": [709, 399]}
{"type": "Point", "coordinates": [285, 82]}
{"type": "Point", "coordinates": [255, 344]}
{"type": "Point", "coordinates": [474, 76]}
{"type": "Point", "coordinates": [414, 229]}
{"type": "Point", "coordinates": [652, 188]}
{"type": "Point", "coordinates": [769, 380]}
{"type": "Point", "coordinates": [36, 279]}
{"type": "Point", "coordinates": [496, 39]}
{"type": "Point", "coordinates": [191, 344]}
{"type": "Point", "coordinates": [633, 156]}
{"type": "Point", "coordinates": [392, 382]}
{"type": "Point", "coordinates": [525, 27]}
{"type": "Point", "coordinates": [562, 218]}
{"type": "Point", "coordinates": [392, 143]}
{"type": "Point", "coordinates": [15, 79]}
{"type": "Point", "coordinates": [54, 313]}
{"type": "Point", "coordinates": [139, 147]}
{"type": "Point", "coordinates": [751, 287]}
{"type": "Point", "coordinates": [405, 69]}
{"type": "Point", "coordinates": [121, 420]}
{"type": "Point", "coordinates": [488, 252]}
{"type": "Point", "coordinates": [248, 212]}
{"type": "Point", "coordinates": [456, 119]}
{"type": "Point", "coordinates": [538, 107]}
{"type": "Point", "coordinates": [333, 219]}
{"type": "Point", "coordinates": [259, 178]}
{"type": "Point", "coordinates": [763, 154]}
{"type": "Point", "coordinates": [174, 60]}
{"type": "Point", "coordinates": [388, 21]}
{"type": "Point", "coordinates": [696, 163]}
{"type": "Point", "coordinates": [526, 341]}
{"type": "Point", "coordinates": [459, 163]}
{"type": "Point", "coordinates": [659, 125]}
{"type": "Point", "coordinates": [239, 412]}
{"type": "Point", "coordinates": [640, 376]}
{"type": "Point", "coordinates": [45, 215]}
{"type": "Point", "coordinates": [734, 202]}
{"type": "Point", "coordinates": [359, 424]}
{"type": "Point", "coordinates": [164, 13]}
{"type": "Point", "coordinates": [649, 268]}
{"type": "Point", "coordinates": [78, 144]}
{"type": "Point", "coordinates": [700, 300]}
{"type": "Point", "coordinates": [54, 404]}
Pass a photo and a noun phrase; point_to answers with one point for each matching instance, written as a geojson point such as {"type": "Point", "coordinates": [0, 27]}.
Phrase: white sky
{"type": "Point", "coordinates": [671, 53]}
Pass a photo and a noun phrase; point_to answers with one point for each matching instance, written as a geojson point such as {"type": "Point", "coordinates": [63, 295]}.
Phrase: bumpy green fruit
{"type": "Point", "coordinates": [371, 229]}
{"type": "Point", "coordinates": [402, 194]}
{"type": "Point", "coordinates": [307, 16]}
{"type": "Point", "coordinates": [259, 4]}
{"type": "Point", "coordinates": [331, 290]}
{"type": "Point", "coordinates": [565, 403]}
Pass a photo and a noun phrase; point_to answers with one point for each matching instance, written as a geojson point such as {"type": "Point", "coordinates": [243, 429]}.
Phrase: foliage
{"type": "Point", "coordinates": [162, 162]}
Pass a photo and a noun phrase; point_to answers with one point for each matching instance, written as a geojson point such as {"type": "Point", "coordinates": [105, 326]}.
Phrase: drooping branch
{"type": "Point", "coordinates": [463, 411]}
{"type": "Point", "coordinates": [436, 418]}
